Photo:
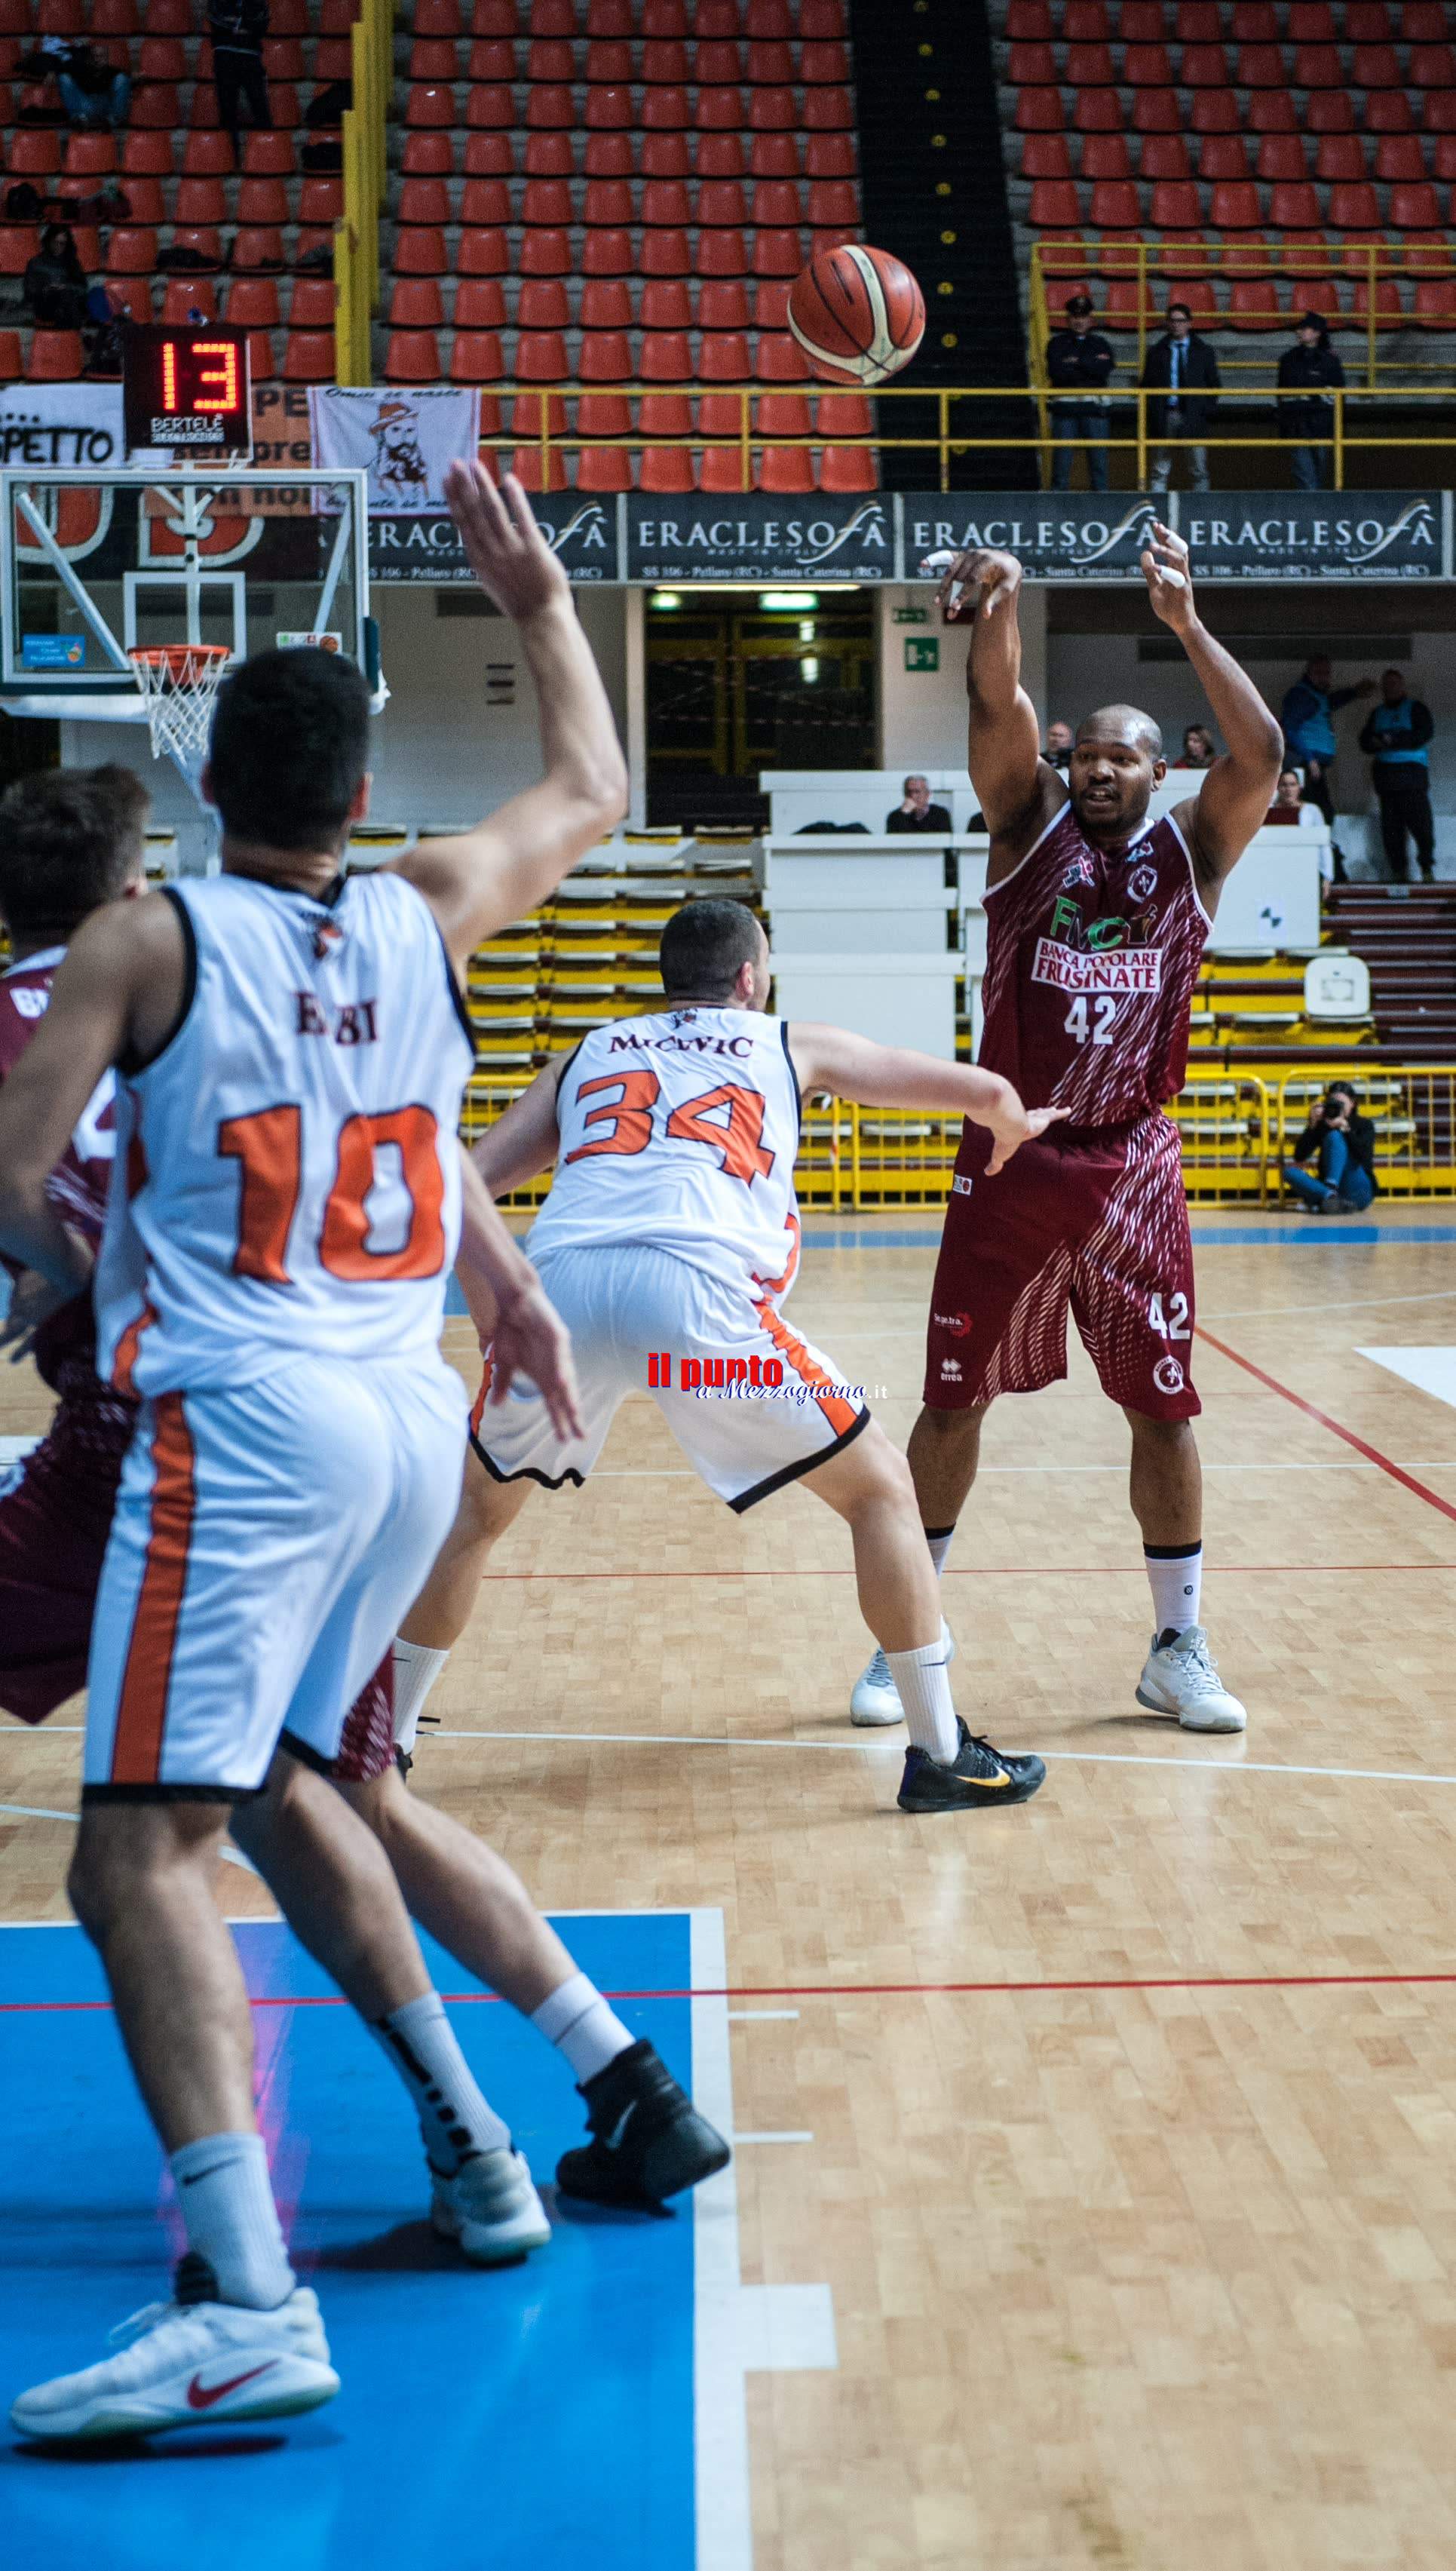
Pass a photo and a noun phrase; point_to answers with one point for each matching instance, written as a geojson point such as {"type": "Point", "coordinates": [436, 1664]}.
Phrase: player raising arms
{"type": "Point", "coordinates": [671, 1226]}
{"type": "Point", "coordinates": [1095, 925]}
{"type": "Point", "coordinates": [291, 1052]}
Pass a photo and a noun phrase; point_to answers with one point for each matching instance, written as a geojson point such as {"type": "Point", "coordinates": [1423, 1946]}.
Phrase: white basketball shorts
{"type": "Point", "coordinates": [759, 1405]}
{"type": "Point", "coordinates": [265, 1545]}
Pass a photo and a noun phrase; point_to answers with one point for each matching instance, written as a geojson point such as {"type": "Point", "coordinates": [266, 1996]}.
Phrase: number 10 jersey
{"type": "Point", "coordinates": [680, 1132]}
{"type": "Point", "coordinates": [287, 1174]}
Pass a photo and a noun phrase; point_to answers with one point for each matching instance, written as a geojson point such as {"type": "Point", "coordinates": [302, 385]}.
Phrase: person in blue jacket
{"type": "Point", "coordinates": [1396, 735]}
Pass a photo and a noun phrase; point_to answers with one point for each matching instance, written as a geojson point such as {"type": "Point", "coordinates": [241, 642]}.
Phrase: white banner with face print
{"type": "Point", "coordinates": [403, 441]}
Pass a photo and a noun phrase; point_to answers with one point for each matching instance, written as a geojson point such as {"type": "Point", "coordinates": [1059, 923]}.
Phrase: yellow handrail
{"type": "Point", "coordinates": [356, 234]}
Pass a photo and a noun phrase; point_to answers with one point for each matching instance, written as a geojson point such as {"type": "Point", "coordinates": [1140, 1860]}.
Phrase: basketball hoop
{"type": "Point", "coordinates": [178, 684]}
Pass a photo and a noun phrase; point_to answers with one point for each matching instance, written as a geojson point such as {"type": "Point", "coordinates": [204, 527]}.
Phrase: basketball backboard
{"type": "Point", "coordinates": [94, 563]}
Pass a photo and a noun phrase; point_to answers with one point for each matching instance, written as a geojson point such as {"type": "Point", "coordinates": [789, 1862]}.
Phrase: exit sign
{"type": "Point", "coordinates": [923, 653]}
{"type": "Point", "coordinates": [912, 615]}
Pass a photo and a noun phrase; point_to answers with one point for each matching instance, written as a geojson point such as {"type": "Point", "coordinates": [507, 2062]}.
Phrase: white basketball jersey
{"type": "Point", "coordinates": [680, 1131]}
{"type": "Point", "coordinates": [288, 1173]}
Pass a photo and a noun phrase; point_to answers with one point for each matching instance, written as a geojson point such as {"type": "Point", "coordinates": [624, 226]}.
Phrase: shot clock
{"type": "Point", "coordinates": [188, 389]}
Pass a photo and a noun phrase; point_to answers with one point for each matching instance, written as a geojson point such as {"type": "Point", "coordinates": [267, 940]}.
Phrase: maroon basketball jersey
{"type": "Point", "coordinates": [66, 1343]}
{"type": "Point", "coordinates": [1092, 955]}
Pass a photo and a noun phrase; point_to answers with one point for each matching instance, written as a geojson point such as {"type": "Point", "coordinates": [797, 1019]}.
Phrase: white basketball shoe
{"type": "Point", "coordinates": [1180, 1676]}
{"type": "Point", "coordinates": [187, 2365]}
{"type": "Point", "coordinates": [490, 2208]}
{"type": "Point", "coordinates": [875, 1698]}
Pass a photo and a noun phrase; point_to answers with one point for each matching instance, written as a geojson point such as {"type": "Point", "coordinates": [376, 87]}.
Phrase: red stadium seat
{"type": "Point", "coordinates": [1105, 156]}
{"type": "Point", "coordinates": [723, 304]}
{"type": "Point", "coordinates": [131, 252]}
{"type": "Point", "coordinates": [1431, 67]}
{"type": "Point", "coordinates": [1423, 21]}
{"type": "Point", "coordinates": [778, 359]}
{"type": "Point", "coordinates": [253, 304]}
{"type": "Point", "coordinates": [1099, 111]}
{"type": "Point", "coordinates": [825, 156]}
{"type": "Point", "coordinates": [609, 156]}
{"type": "Point", "coordinates": [146, 199]}
{"type": "Point", "coordinates": [720, 155]}
{"type": "Point", "coordinates": [667, 304]}
{"type": "Point", "coordinates": [480, 305]}
{"type": "Point", "coordinates": [1367, 22]}
{"type": "Point", "coordinates": [670, 18]}
{"type": "Point", "coordinates": [1091, 65]}
{"type": "Point", "coordinates": [56, 357]}
{"type": "Point", "coordinates": [609, 60]}
{"type": "Point", "coordinates": [475, 358]}
{"type": "Point", "coordinates": [282, 59]}
{"type": "Point", "coordinates": [1042, 156]}
{"type": "Point", "coordinates": [550, 107]}
{"type": "Point", "coordinates": [1376, 67]}
{"type": "Point", "coordinates": [1253, 305]}
{"type": "Point", "coordinates": [1141, 22]}
{"type": "Point", "coordinates": [60, 18]}
{"type": "Point", "coordinates": [1327, 111]}
{"type": "Point", "coordinates": [1216, 111]}
{"type": "Point", "coordinates": [1340, 156]}
{"type": "Point", "coordinates": [37, 155]}
{"type": "Point", "coordinates": [1387, 111]}
{"type": "Point", "coordinates": [542, 304]}
{"type": "Point", "coordinates": [665, 358]}
{"type": "Point", "coordinates": [133, 296]}
{"type": "Point", "coordinates": [1084, 21]}
{"type": "Point", "coordinates": [1163, 156]}
{"type": "Point", "coordinates": [607, 305]}
{"type": "Point", "coordinates": [541, 359]}
{"type": "Point", "coordinates": [1397, 156]}
{"type": "Point", "coordinates": [1147, 67]}
{"type": "Point", "coordinates": [664, 468]}
{"type": "Point", "coordinates": [1207, 67]}
{"type": "Point", "coordinates": [546, 201]}
{"type": "Point", "coordinates": [17, 249]}
{"type": "Point", "coordinates": [90, 156]}
{"type": "Point", "coordinates": [1114, 207]}
{"type": "Point", "coordinates": [608, 252]}
{"type": "Point", "coordinates": [1029, 22]}
{"type": "Point", "coordinates": [1255, 22]}
{"type": "Point", "coordinates": [848, 468]}
{"type": "Point", "coordinates": [666, 201]}
{"type": "Point", "coordinates": [309, 359]}
{"type": "Point", "coordinates": [1294, 205]}
{"type": "Point", "coordinates": [438, 18]}
{"type": "Point", "coordinates": [1311, 22]}
{"type": "Point", "coordinates": [421, 201]}
{"type": "Point", "coordinates": [1032, 67]}
{"type": "Point", "coordinates": [777, 204]}
{"type": "Point", "coordinates": [321, 201]}
{"type": "Point", "coordinates": [550, 58]}
{"type": "Point", "coordinates": [1038, 111]}
{"type": "Point", "coordinates": [609, 201]}
{"type": "Point", "coordinates": [186, 297]}
{"type": "Point", "coordinates": [420, 252]}
{"type": "Point", "coordinates": [158, 108]}
{"type": "Point", "coordinates": [613, 18]}
{"type": "Point", "coordinates": [1414, 207]}
{"type": "Point", "coordinates": [429, 106]}
{"type": "Point", "coordinates": [606, 359]}
{"type": "Point", "coordinates": [1317, 67]}
{"type": "Point", "coordinates": [717, 64]}
{"type": "Point", "coordinates": [1054, 205]}
{"type": "Point", "coordinates": [491, 58]}
{"type": "Point", "coordinates": [603, 468]}
{"type": "Point", "coordinates": [719, 254]}
{"type": "Point", "coordinates": [1443, 157]}
{"type": "Point", "coordinates": [1390, 309]}
{"type": "Point", "coordinates": [483, 254]}
{"type": "Point", "coordinates": [413, 356]}
{"type": "Point", "coordinates": [1223, 157]}
{"type": "Point", "coordinates": [772, 18]}
{"type": "Point", "coordinates": [1234, 206]}
{"type": "Point", "coordinates": [666, 111]}
{"type": "Point", "coordinates": [425, 155]}
{"type": "Point", "coordinates": [787, 469]}
{"type": "Point", "coordinates": [1353, 206]}
{"type": "Point", "coordinates": [1175, 206]}
{"type": "Point", "coordinates": [271, 156]}
{"type": "Point", "coordinates": [257, 247]}
{"type": "Point", "coordinates": [493, 18]}
{"type": "Point", "coordinates": [1197, 22]}
{"type": "Point", "coordinates": [553, 18]}
{"type": "Point", "coordinates": [547, 155]}
{"type": "Point", "coordinates": [1435, 303]}
{"type": "Point", "coordinates": [416, 304]}
{"type": "Point", "coordinates": [204, 200]}
{"type": "Point", "coordinates": [666, 253]}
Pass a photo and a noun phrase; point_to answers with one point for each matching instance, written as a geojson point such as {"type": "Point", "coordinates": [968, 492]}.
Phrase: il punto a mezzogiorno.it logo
{"type": "Point", "coordinates": [751, 1379]}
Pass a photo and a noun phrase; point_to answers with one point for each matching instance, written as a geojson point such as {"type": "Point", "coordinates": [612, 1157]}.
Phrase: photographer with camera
{"type": "Point", "coordinates": [1341, 1143]}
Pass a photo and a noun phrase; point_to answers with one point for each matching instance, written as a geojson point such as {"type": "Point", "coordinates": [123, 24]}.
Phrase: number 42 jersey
{"type": "Point", "coordinates": [680, 1132]}
{"type": "Point", "coordinates": [287, 1177]}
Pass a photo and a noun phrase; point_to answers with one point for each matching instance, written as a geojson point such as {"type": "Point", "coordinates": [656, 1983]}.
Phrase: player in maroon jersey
{"type": "Point", "coordinates": [1096, 920]}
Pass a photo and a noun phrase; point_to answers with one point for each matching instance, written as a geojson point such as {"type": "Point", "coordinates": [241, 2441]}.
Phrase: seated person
{"type": "Point", "coordinates": [1198, 748]}
{"type": "Point", "coordinates": [54, 284]}
{"type": "Point", "coordinates": [1057, 749]}
{"type": "Point", "coordinates": [1341, 1142]}
{"type": "Point", "coordinates": [94, 94]}
{"type": "Point", "coordinates": [917, 813]}
{"type": "Point", "coordinates": [1288, 807]}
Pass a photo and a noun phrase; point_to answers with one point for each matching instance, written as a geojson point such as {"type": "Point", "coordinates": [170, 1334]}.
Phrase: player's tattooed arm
{"type": "Point", "coordinates": [510, 1309]}
{"type": "Point", "coordinates": [876, 1075]}
{"type": "Point", "coordinates": [1017, 789]}
{"type": "Point", "coordinates": [1239, 788]}
{"type": "Point", "coordinates": [120, 992]}
{"type": "Point", "coordinates": [521, 1143]}
{"type": "Point", "coordinates": [486, 877]}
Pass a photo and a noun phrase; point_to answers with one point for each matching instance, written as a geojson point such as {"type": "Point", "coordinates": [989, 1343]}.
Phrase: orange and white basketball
{"type": "Point", "coordinates": [858, 315]}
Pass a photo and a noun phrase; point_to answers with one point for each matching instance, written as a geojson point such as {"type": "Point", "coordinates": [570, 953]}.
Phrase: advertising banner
{"type": "Point", "coordinates": [51, 425]}
{"type": "Point", "coordinates": [1233, 535]}
{"type": "Point", "coordinates": [753, 536]}
{"type": "Point", "coordinates": [582, 533]}
{"type": "Point", "coordinates": [402, 440]}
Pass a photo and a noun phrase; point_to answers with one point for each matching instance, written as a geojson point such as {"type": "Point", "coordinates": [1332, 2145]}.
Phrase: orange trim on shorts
{"type": "Point", "coordinates": [124, 1363]}
{"type": "Point", "coordinates": [840, 1415]}
{"type": "Point", "coordinates": [481, 1398]}
{"type": "Point", "coordinates": [136, 1757]}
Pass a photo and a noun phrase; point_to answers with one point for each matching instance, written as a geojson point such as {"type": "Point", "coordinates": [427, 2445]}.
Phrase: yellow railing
{"type": "Point", "coordinates": [537, 431]}
{"type": "Point", "coordinates": [356, 234]}
{"type": "Point", "coordinates": [1414, 1110]}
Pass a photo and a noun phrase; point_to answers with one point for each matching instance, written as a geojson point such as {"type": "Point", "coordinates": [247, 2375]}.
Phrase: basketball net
{"type": "Point", "coordinates": [178, 684]}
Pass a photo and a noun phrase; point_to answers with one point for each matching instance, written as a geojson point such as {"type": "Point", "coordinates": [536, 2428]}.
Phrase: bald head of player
{"type": "Point", "coordinates": [1117, 760]}
{"type": "Point", "coordinates": [71, 838]}
{"type": "Point", "coordinates": [714, 953]}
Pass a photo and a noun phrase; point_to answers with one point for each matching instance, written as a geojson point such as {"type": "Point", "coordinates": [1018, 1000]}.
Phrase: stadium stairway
{"type": "Point", "coordinates": [1407, 937]}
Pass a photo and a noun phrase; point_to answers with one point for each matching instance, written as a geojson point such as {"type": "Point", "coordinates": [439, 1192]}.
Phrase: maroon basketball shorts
{"type": "Point", "coordinates": [1098, 1225]}
{"type": "Point", "coordinates": [55, 1519]}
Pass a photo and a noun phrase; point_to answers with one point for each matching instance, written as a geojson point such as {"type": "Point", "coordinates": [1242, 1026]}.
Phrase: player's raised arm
{"type": "Point", "coordinates": [498, 872]}
{"type": "Point", "coordinates": [521, 1143]}
{"type": "Point", "coordinates": [120, 988]}
{"type": "Point", "coordinates": [1016, 788]}
{"type": "Point", "coordinates": [1240, 787]}
{"type": "Point", "coordinates": [876, 1075]}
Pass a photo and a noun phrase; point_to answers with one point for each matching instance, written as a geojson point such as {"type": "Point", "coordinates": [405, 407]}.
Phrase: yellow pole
{"type": "Point", "coordinates": [1141, 437]}
{"type": "Point", "coordinates": [745, 446]}
{"type": "Point", "coordinates": [1339, 437]}
{"type": "Point", "coordinates": [1371, 256]}
{"type": "Point", "coordinates": [942, 406]}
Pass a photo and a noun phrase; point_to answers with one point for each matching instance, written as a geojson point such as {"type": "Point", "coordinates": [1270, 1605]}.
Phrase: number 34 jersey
{"type": "Point", "coordinates": [680, 1132]}
{"type": "Point", "coordinates": [287, 1177]}
{"type": "Point", "coordinates": [1092, 955]}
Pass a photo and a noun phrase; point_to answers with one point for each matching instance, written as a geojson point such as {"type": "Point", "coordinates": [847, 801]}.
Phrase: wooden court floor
{"type": "Point", "coordinates": [1129, 2117]}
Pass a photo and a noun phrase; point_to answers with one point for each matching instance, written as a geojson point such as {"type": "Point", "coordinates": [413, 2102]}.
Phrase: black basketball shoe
{"type": "Point", "coordinates": [648, 2139]}
{"type": "Point", "coordinates": [978, 1779]}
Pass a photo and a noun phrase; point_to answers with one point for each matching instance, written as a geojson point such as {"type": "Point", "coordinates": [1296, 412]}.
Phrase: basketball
{"type": "Point", "coordinates": [858, 315]}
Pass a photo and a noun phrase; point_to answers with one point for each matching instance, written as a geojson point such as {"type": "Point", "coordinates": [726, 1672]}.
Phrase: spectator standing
{"type": "Point", "coordinates": [917, 813]}
{"type": "Point", "coordinates": [1307, 713]}
{"type": "Point", "coordinates": [1395, 738]}
{"type": "Point", "coordinates": [1198, 747]}
{"type": "Point", "coordinates": [238, 29]}
{"type": "Point", "coordinates": [1342, 1144]}
{"type": "Point", "coordinates": [1079, 362]}
{"type": "Point", "coordinates": [54, 284]}
{"type": "Point", "coordinates": [1310, 369]}
{"type": "Point", "coordinates": [1058, 750]}
{"type": "Point", "coordinates": [1184, 367]}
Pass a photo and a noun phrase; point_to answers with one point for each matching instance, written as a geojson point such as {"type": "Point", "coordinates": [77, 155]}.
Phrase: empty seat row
{"type": "Point", "coordinates": [151, 201]}
{"type": "Point", "coordinates": [1260, 302]}
{"type": "Point", "coordinates": [614, 252]}
{"type": "Point", "coordinates": [497, 58]}
{"type": "Point", "coordinates": [286, 18]}
{"type": "Point", "coordinates": [489, 106]}
{"type": "Point", "coordinates": [1242, 66]}
{"type": "Point", "coordinates": [40, 153]}
{"type": "Point", "coordinates": [767, 20]}
{"type": "Point", "coordinates": [767, 204]}
{"type": "Point", "coordinates": [58, 357]}
{"type": "Point", "coordinates": [175, 58]}
{"type": "Point", "coordinates": [605, 304]}
{"type": "Point", "coordinates": [1237, 204]}
{"type": "Point", "coordinates": [158, 107]}
{"type": "Point", "coordinates": [133, 249]}
{"type": "Point", "coordinates": [1220, 111]}
{"type": "Point", "coordinates": [619, 155]}
{"type": "Point", "coordinates": [1397, 158]}
{"type": "Point", "coordinates": [1249, 22]}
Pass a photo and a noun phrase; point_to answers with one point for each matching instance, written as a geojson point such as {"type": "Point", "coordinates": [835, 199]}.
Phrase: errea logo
{"type": "Point", "coordinates": [950, 1371]}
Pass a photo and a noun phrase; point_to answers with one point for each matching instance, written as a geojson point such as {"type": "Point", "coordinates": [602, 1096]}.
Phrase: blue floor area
{"type": "Point", "coordinates": [1264, 1235]}
{"type": "Point", "coordinates": [534, 2418]}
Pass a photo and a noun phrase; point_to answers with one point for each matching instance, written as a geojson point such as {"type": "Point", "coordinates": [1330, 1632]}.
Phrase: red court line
{"type": "Point", "coordinates": [1372, 1454]}
{"type": "Point", "coordinates": [854, 1990]}
{"type": "Point", "coordinates": [1019, 1570]}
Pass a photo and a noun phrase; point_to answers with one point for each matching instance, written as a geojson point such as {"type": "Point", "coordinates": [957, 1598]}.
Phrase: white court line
{"type": "Point", "coordinates": [739, 2017]}
{"type": "Point", "coordinates": [720, 2400]}
{"type": "Point", "coordinates": [739, 2140]}
{"type": "Point", "coordinates": [1079, 1758]}
{"type": "Point", "coordinates": [36, 1813]}
{"type": "Point", "coordinates": [788, 2330]}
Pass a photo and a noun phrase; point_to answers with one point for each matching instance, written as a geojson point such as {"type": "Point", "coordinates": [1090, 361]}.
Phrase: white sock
{"type": "Point", "coordinates": [1176, 1578]}
{"type": "Point", "coordinates": [579, 2022]}
{"type": "Point", "coordinates": [416, 1669]}
{"type": "Point", "coordinates": [923, 1682]}
{"type": "Point", "coordinates": [455, 2120]}
{"type": "Point", "coordinates": [940, 1540]}
{"type": "Point", "coordinates": [226, 2200]}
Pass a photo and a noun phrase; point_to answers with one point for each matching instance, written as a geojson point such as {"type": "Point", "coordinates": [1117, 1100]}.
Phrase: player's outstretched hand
{"type": "Point", "coordinates": [531, 1339]}
{"type": "Point", "coordinates": [1169, 581]}
{"type": "Point", "coordinates": [504, 547]}
{"type": "Point", "coordinates": [33, 1300]}
{"type": "Point", "coordinates": [977, 582]}
{"type": "Point", "coordinates": [1014, 1125]}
